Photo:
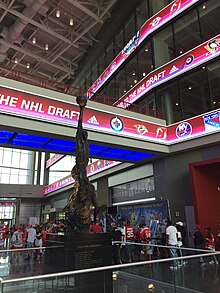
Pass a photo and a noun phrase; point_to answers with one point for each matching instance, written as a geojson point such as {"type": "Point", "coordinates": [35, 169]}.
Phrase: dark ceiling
{"type": "Point", "coordinates": [33, 39]}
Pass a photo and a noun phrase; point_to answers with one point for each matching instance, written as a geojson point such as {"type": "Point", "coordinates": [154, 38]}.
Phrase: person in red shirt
{"type": "Point", "coordinates": [2, 235]}
{"type": "Point", "coordinates": [146, 235]}
{"type": "Point", "coordinates": [129, 236]}
{"type": "Point", "coordinates": [210, 243]}
{"type": "Point", "coordinates": [95, 227]}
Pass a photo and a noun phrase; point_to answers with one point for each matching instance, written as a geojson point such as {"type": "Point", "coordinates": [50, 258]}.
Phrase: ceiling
{"type": "Point", "coordinates": [23, 22]}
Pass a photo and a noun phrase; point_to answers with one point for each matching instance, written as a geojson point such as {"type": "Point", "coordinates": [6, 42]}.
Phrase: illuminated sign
{"type": "Point", "coordinates": [152, 24]}
{"type": "Point", "coordinates": [36, 107]}
{"type": "Point", "coordinates": [194, 127]}
{"type": "Point", "coordinates": [94, 168]}
{"type": "Point", "coordinates": [195, 57]}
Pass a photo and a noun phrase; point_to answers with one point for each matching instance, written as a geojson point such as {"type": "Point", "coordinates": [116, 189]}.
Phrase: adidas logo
{"type": "Point", "coordinates": [93, 120]}
{"type": "Point", "coordinates": [173, 69]}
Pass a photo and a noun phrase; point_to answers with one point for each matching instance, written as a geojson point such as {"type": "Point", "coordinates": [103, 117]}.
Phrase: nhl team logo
{"type": "Point", "coordinates": [131, 46]}
{"type": "Point", "coordinates": [117, 124]}
{"type": "Point", "coordinates": [183, 130]}
{"type": "Point", "coordinates": [175, 7]}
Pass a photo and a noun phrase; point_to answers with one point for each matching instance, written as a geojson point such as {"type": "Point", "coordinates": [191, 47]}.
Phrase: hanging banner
{"type": "Point", "coordinates": [152, 24]}
{"type": "Point", "coordinates": [193, 58]}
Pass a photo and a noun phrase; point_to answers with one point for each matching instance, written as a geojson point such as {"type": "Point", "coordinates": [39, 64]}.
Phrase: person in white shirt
{"type": "Point", "coordinates": [30, 239]}
{"type": "Point", "coordinates": [171, 236]}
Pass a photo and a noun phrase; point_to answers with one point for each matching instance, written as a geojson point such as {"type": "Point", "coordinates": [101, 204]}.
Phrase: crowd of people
{"type": "Point", "coordinates": [174, 241]}
{"type": "Point", "coordinates": [29, 236]}
{"type": "Point", "coordinates": [33, 237]}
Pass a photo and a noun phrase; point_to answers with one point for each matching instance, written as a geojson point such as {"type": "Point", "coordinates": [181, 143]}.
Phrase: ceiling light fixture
{"type": "Point", "coordinates": [46, 47]}
{"type": "Point", "coordinates": [28, 65]}
{"type": "Point", "coordinates": [58, 13]}
{"type": "Point", "coordinates": [71, 22]}
{"type": "Point", "coordinates": [34, 40]}
{"type": "Point", "coordinates": [16, 60]}
{"type": "Point", "coordinates": [144, 74]}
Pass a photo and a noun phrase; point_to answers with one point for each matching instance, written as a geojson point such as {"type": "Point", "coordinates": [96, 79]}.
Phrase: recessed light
{"type": "Point", "coordinates": [190, 87]}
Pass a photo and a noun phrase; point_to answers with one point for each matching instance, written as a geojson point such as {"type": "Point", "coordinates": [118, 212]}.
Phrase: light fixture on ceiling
{"type": "Point", "coordinates": [58, 13]}
{"type": "Point", "coordinates": [71, 22]}
{"type": "Point", "coordinates": [46, 47]}
{"type": "Point", "coordinates": [190, 87]}
{"type": "Point", "coordinates": [135, 81]}
{"type": "Point", "coordinates": [144, 74]}
{"type": "Point", "coordinates": [16, 60]}
{"type": "Point", "coordinates": [28, 65]}
{"type": "Point", "coordinates": [181, 51]}
{"type": "Point", "coordinates": [34, 40]}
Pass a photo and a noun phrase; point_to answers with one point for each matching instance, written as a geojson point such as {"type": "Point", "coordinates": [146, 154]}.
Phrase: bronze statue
{"type": "Point", "coordinates": [83, 200]}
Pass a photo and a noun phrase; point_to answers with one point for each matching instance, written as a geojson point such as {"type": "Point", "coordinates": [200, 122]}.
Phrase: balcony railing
{"type": "Point", "coordinates": [73, 91]}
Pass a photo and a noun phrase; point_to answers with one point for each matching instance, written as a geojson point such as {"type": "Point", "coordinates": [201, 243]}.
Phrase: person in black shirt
{"type": "Point", "coordinates": [116, 236]}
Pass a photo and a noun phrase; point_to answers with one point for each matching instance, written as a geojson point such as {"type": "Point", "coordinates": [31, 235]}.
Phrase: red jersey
{"type": "Point", "coordinates": [129, 233]}
{"type": "Point", "coordinates": [145, 234]}
{"type": "Point", "coordinates": [210, 242]}
{"type": "Point", "coordinates": [2, 236]}
{"type": "Point", "coordinates": [95, 228]}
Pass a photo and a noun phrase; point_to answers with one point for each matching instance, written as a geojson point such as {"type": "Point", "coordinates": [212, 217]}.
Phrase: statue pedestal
{"type": "Point", "coordinates": [81, 251]}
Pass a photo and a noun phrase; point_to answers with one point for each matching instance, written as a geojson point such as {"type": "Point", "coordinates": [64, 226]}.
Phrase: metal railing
{"type": "Point", "coordinates": [74, 91]}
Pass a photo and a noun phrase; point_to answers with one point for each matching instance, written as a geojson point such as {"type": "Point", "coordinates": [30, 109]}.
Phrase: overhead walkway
{"type": "Point", "coordinates": [32, 117]}
{"type": "Point", "coordinates": [36, 118]}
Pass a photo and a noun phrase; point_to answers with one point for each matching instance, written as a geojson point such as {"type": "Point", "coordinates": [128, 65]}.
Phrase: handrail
{"type": "Point", "coordinates": [73, 91]}
{"type": "Point", "coordinates": [110, 267]}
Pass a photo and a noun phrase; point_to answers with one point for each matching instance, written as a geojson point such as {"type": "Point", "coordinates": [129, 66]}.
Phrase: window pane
{"type": "Point", "coordinates": [24, 161]}
{"type": "Point", "coordinates": [210, 26]}
{"type": "Point", "coordinates": [129, 29]}
{"type": "Point", "coordinates": [15, 159]}
{"type": "Point", "coordinates": [14, 179]}
{"type": "Point", "coordinates": [142, 14]}
{"type": "Point", "coordinates": [156, 6]}
{"type": "Point", "coordinates": [110, 53]}
{"type": "Point", "coordinates": [163, 47]}
{"type": "Point", "coordinates": [186, 27]}
{"type": "Point", "coordinates": [214, 82]}
{"type": "Point", "coordinates": [194, 94]}
{"type": "Point", "coordinates": [119, 41]}
{"type": "Point", "coordinates": [131, 73]}
{"type": "Point", "coordinates": [120, 84]}
{"type": "Point", "coordinates": [168, 102]}
{"type": "Point", "coordinates": [1, 155]}
{"type": "Point", "coordinates": [7, 158]}
{"type": "Point", "coordinates": [145, 64]}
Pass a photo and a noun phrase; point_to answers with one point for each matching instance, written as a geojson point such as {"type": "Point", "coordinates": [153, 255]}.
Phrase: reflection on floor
{"type": "Point", "coordinates": [190, 277]}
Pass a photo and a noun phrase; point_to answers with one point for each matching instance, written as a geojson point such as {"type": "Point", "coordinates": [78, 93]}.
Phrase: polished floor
{"type": "Point", "coordinates": [192, 277]}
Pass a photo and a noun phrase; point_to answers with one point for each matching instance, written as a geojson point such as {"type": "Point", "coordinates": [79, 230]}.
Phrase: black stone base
{"type": "Point", "coordinates": [81, 251]}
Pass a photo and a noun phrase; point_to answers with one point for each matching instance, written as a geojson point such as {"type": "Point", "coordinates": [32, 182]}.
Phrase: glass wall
{"type": "Point", "coordinates": [189, 95]}
{"type": "Point", "coordinates": [16, 166]}
{"type": "Point", "coordinates": [61, 169]}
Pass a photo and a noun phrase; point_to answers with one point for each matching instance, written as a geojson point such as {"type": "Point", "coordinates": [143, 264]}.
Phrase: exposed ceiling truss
{"type": "Point", "coordinates": [33, 39]}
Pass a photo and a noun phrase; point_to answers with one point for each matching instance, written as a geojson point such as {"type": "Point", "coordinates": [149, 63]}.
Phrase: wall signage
{"type": "Point", "coordinates": [152, 24]}
{"type": "Point", "coordinates": [50, 162]}
{"type": "Point", "coordinates": [96, 167]}
{"type": "Point", "coordinates": [193, 58]}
